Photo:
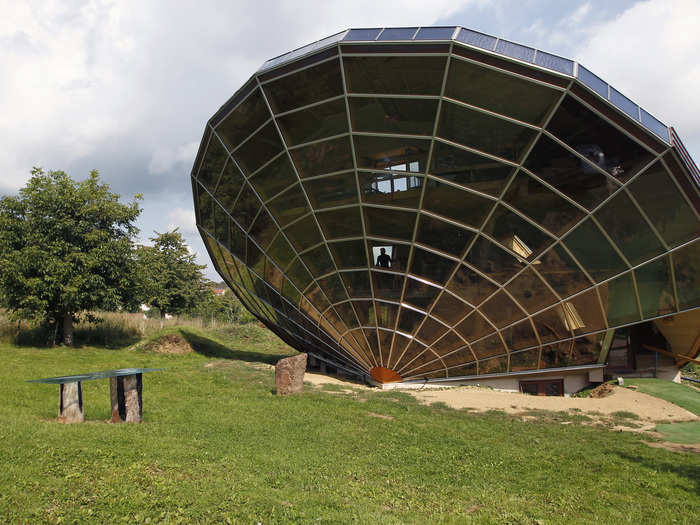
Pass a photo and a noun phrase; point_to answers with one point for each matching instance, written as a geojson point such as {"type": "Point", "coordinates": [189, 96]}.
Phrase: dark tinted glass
{"type": "Point", "coordinates": [387, 285]}
{"type": "Point", "coordinates": [501, 310]}
{"type": "Point", "coordinates": [520, 335]}
{"type": "Point", "coordinates": [263, 229]}
{"type": "Point", "coordinates": [305, 87]}
{"type": "Point", "coordinates": [337, 224]}
{"type": "Point", "coordinates": [686, 264]}
{"type": "Point", "coordinates": [469, 169]}
{"type": "Point", "coordinates": [318, 261]}
{"type": "Point", "coordinates": [255, 259]}
{"type": "Point", "coordinates": [347, 314]}
{"type": "Point", "coordinates": [317, 122]}
{"type": "Point", "coordinates": [393, 224]}
{"type": "Point", "coordinates": [246, 118]}
{"type": "Point", "coordinates": [391, 256]}
{"type": "Point", "coordinates": [333, 287]}
{"type": "Point", "coordinates": [655, 288]}
{"type": "Point", "coordinates": [470, 286]}
{"type": "Point", "coordinates": [660, 199]}
{"type": "Point", "coordinates": [570, 174]}
{"type": "Point", "coordinates": [483, 132]}
{"type": "Point", "coordinates": [431, 266]}
{"type": "Point", "coordinates": [349, 254]}
{"type": "Point", "coordinates": [386, 314]}
{"type": "Point", "coordinates": [474, 327]}
{"type": "Point", "coordinates": [365, 312]}
{"type": "Point", "coordinates": [212, 164]}
{"type": "Point", "coordinates": [597, 140]}
{"type": "Point", "coordinates": [499, 92]}
{"type": "Point", "coordinates": [206, 210]}
{"type": "Point", "coordinates": [462, 206]}
{"type": "Point", "coordinates": [487, 347]}
{"type": "Point", "coordinates": [323, 157]}
{"type": "Point", "coordinates": [273, 275]}
{"type": "Point", "coordinates": [492, 260]}
{"type": "Point", "coordinates": [304, 234]}
{"type": "Point", "coordinates": [281, 252]}
{"type": "Point", "coordinates": [450, 309]}
{"type": "Point", "coordinates": [246, 208]}
{"type": "Point", "coordinates": [561, 272]}
{"type": "Point", "coordinates": [516, 234]}
{"type": "Point", "coordinates": [582, 313]}
{"type": "Point", "coordinates": [289, 206]}
{"type": "Point", "coordinates": [443, 235]}
{"type": "Point", "coordinates": [400, 75]}
{"type": "Point", "coordinates": [393, 189]}
{"type": "Point", "coordinates": [420, 294]}
{"type": "Point", "coordinates": [259, 149]}
{"type": "Point", "coordinates": [409, 320]}
{"type": "Point", "coordinates": [229, 185]}
{"type": "Point", "coordinates": [621, 300]}
{"type": "Point", "coordinates": [628, 230]}
{"type": "Point", "coordinates": [357, 283]}
{"type": "Point", "coordinates": [594, 251]}
{"type": "Point", "coordinates": [398, 33]}
{"type": "Point", "coordinates": [530, 291]}
{"type": "Point", "coordinates": [389, 153]}
{"type": "Point", "coordinates": [449, 343]}
{"type": "Point", "coordinates": [274, 177]}
{"type": "Point", "coordinates": [335, 190]}
{"type": "Point", "coordinates": [550, 324]}
{"type": "Point", "coordinates": [434, 33]}
{"type": "Point", "coordinates": [393, 115]}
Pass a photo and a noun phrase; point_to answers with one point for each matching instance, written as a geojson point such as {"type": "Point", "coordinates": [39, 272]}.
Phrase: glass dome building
{"type": "Point", "coordinates": [437, 204]}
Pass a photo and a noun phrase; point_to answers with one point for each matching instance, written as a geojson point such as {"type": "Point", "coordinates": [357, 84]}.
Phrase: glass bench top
{"type": "Point", "coordinates": [95, 375]}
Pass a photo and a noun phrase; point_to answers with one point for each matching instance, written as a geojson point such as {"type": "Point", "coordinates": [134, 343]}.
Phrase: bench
{"type": "Point", "coordinates": [125, 393]}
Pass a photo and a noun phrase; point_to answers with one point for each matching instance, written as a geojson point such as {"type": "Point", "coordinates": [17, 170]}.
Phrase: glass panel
{"type": "Point", "coordinates": [317, 298]}
{"type": "Point", "coordinates": [212, 164]}
{"type": "Point", "coordinates": [400, 342]}
{"type": "Point", "coordinates": [238, 240]}
{"type": "Point", "coordinates": [347, 314]}
{"type": "Point", "coordinates": [629, 231]}
{"type": "Point", "coordinates": [450, 309]}
{"type": "Point", "coordinates": [357, 283]}
{"type": "Point", "coordinates": [594, 251]}
{"type": "Point", "coordinates": [345, 222]}
{"type": "Point", "coordinates": [597, 140]}
{"type": "Point", "coordinates": [492, 260]}
{"type": "Point", "coordinates": [274, 177]}
{"type": "Point", "coordinates": [457, 359]}
{"type": "Point", "coordinates": [527, 360]}
{"type": "Point", "coordinates": [393, 256]}
{"type": "Point", "coordinates": [307, 86]}
{"type": "Point", "coordinates": [257, 150]}
{"type": "Point", "coordinates": [281, 252]}
{"type": "Point", "coordinates": [499, 92]}
{"type": "Point", "coordinates": [655, 288]}
{"type": "Point", "coordinates": [411, 353]}
{"type": "Point", "coordinates": [593, 81]}
{"type": "Point", "coordinates": [365, 312]}
{"type": "Point", "coordinates": [519, 335]}
{"type": "Point", "coordinates": [501, 310]}
{"type": "Point", "coordinates": [491, 345]}
{"type": "Point", "coordinates": [390, 153]}
{"type": "Point", "coordinates": [398, 33]}
{"type": "Point", "coordinates": [470, 286]}
{"type": "Point", "coordinates": [686, 265]}
{"type": "Point", "coordinates": [385, 339]}
{"type": "Point", "coordinates": [255, 260]}
{"type": "Point", "coordinates": [435, 33]}
{"type": "Point", "coordinates": [264, 229]}
{"type": "Point", "coordinates": [516, 234]}
{"type": "Point", "coordinates": [582, 313]}
{"type": "Point", "coordinates": [246, 118]}
{"type": "Point", "coordinates": [459, 205]}
{"type": "Point", "coordinates": [660, 199]}
{"type": "Point", "coordinates": [477, 39]}
{"type": "Point", "coordinates": [568, 173]}
{"type": "Point", "coordinates": [530, 291]}
{"type": "Point", "coordinates": [390, 223]}
{"type": "Point", "coordinates": [393, 115]}
{"type": "Point", "coordinates": [449, 343]}
{"type": "Point", "coordinates": [514, 50]}
{"type": "Point", "coordinates": [550, 324]}
{"type": "Point", "coordinates": [386, 314]}
{"type": "Point", "coordinates": [561, 272]}
{"type": "Point", "coordinates": [335, 190]}
{"type": "Point", "coordinates": [409, 320]}
{"type": "Point", "coordinates": [362, 34]}
{"type": "Point", "coordinates": [323, 157]}
{"type": "Point", "coordinates": [387, 285]}
{"type": "Point", "coordinates": [554, 62]}
{"type": "Point", "coordinates": [318, 261]}
{"type": "Point", "coordinates": [229, 185]}
{"type": "Point", "coordinates": [463, 370]}
{"type": "Point", "coordinates": [304, 234]}
{"type": "Point", "coordinates": [469, 169]}
{"type": "Point", "coordinates": [401, 75]}
{"type": "Point", "coordinates": [391, 189]}
{"type": "Point", "coordinates": [317, 122]}
{"type": "Point", "coordinates": [299, 274]}
{"type": "Point", "coordinates": [483, 132]}
{"type": "Point", "coordinates": [420, 294]}
{"type": "Point", "coordinates": [289, 206]}
{"type": "Point", "coordinates": [582, 351]}
{"type": "Point", "coordinates": [273, 275]}
{"type": "Point", "coordinates": [246, 208]}
{"type": "Point", "coordinates": [206, 210]}
{"type": "Point", "coordinates": [443, 235]}
{"type": "Point", "coordinates": [431, 266]}
{"type": "Point", "coordinates": [290, 292]}
{"type": "Point", "coordinates": [371, 335]}
{"type": "Point", "coordinates": [349, 254]}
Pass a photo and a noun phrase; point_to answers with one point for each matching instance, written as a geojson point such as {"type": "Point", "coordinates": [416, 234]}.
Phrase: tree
{"type": "Point", "coordinates": [66, 249]}
{"type": "Point", "coordinates": [171, 279]}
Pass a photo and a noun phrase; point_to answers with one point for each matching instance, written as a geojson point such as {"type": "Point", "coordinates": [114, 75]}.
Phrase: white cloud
{"type": "Point", "coordinates": [165, 159]}
{"type": "Point", "coordinates": [182, 218]}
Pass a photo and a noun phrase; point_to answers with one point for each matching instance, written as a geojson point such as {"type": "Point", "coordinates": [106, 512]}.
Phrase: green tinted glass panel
{"type": "Point", "coordinates": [349, 254]}
{"type": "Point", "coordinates": [337, 224]}
{"type": "Point", "coordinates": [289, 206]}
{"type": "Point", "coordinates": [246, 208]}
{"type": "Point", "coordinates": [395, 75]}
{"type": "Point", "coordinates": [335, 190]}
{"type": "Point", "coordinates": [686, 264]}
{"type": "Point", "coordinates": [290, 292]}
{"type": "Point", "coordinates": [317, 298]}
{"type": "Point", "coordinates": [258, 149]}
{"type": "Point", "coordinates": [281, 252]}
{"type": "Point", "coordinates": [655, 288]}
{"type": "Point", "coordinates": [314, 123]}
{"type": "Point", "coordinates": [470, 286]}
{"type": "Point", "coordinates": [390, 223]}
{"type": "Point", "coordinates": [499, 92]}
{"type": "Point", "coordinates": [501, 310]}
{"type": "Point", "coordinates": [462, 206]}
{"type": "Point", "coordinates": [206, 209]}
{"type": "Point", "coordinates": [323, 157]}
{"type": "Point", "coordinates": [304, 234]}
{"type": "Point", "coordinates": [594, 251]}
{"type": "Point", "coordinates": [357, 283]}
{"type": "Point", "coordinates": [393, 115]}
{"type": "Point", "coordinates": [264, 229]}
{"type": "Point", "coordinates": [561, 272]}
{"type": "Point", "coordinates": [333, 287]}
{"type": "Point", "coordinates": [274, 177]}
{"type": "Point", "coordinates": [318, 261]}
{"type": "Point", "coordinates": [391, 189]}
{"type": "Point", "coordinates": [516, 234]}
{"type": "Point", "coordinates": [229, 185]}
{"type": "Point", "coordinates": [443, 236]}
{"type": "Point", "coordinates": [530, 291]}
{"type": "Point", "coordinates": [492, 260]}
{"type": "Point", "coordinates": [391, 153]}
{"type": "Point", "coordinates": [431, 266]}
{"type": "Point", "coordinates": [273, 275]}
{"type": "Point", "coordinates": [305, 87]}
{"type": "Point", "coordinates": [212, 164]}
{"type": "Point", "coordinates": [244, 120]}
{"type": "Point", "coordinates": [484, 132]}
{"type": "Point", "coordinates": [621, 300]}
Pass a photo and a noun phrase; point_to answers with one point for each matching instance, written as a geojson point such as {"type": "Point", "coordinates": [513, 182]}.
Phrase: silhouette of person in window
{"type": "Point", "coordinates": [383, 259]}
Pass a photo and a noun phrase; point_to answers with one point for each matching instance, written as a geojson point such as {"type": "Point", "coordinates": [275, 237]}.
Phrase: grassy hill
{"type": "Point", "coordinates": [218, 446]}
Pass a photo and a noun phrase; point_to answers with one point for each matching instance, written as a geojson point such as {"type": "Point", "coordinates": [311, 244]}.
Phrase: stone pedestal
{"type": "Point", "coordinates": [125, 393]}
{"type": "Point", "coordinates": [70, 402]}
{"type": "Point", "coordinates": [289, 374]}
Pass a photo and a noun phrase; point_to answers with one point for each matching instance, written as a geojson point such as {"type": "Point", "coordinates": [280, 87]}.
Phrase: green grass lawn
{"type": "Point", "coordinates": [688, 432]}
{"type": "Point", "coordinates": [218, 446]}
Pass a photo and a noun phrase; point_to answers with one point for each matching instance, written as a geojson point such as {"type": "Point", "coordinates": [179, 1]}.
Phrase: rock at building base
{"type": "Point", "coordinates": [289, 374]}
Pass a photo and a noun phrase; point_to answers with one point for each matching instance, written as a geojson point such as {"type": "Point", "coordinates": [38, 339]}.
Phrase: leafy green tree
{"type": "Point", "coordinates": [170, 278]}
{"type": "Point", "coordinates": [225, 308]}
{"type": "Point", "coordinates": [66, 249]}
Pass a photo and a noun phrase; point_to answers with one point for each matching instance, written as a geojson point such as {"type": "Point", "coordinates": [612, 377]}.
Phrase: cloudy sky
{"type": "Point", "coordinates": [126, 87]}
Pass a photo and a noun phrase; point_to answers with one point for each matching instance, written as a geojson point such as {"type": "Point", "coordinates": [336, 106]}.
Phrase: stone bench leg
{"type": "Point", "coordinates": [70, 403]}
{"type": "Point", "coordinates": [125, 397]}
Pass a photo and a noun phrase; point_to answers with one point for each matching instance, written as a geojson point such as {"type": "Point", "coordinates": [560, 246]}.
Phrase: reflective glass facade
{"type": "Point", "coordinates": [442, 203]}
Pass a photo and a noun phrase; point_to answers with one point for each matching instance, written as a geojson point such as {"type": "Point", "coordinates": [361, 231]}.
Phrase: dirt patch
{"type": "Point", "coordinates": [603, 390]}
{"type": "Point", "coordinates": [674, 447]}
{"type": "Point", "coordinates": [169, 344]}
{"type": "Point", "coordinates": [322, 379]}
{"type": "Point", "coordinates": [381, 416]}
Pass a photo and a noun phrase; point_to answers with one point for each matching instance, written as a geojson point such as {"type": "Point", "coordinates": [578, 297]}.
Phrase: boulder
{"type": "Point", "coordinates": [289, 374]}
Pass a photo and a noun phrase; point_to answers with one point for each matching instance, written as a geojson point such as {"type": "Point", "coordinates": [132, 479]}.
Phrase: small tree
{"type": "Point", "coordinates": [171, 279]}
{"type": "Point", "coordinates": [66, 249]}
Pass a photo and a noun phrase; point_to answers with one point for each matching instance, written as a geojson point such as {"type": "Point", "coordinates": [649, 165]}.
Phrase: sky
{"type": "Point", "coordinates": [126, 87]}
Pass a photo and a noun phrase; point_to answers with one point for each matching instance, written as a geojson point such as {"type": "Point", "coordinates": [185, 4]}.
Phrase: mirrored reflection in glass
{"type": "Point", "coordinates": [347, 314]}
{"type": "Point", "coordinates": [238, 240]}
{"type": "Point", "coordinates": [516, 234]}
{"type": "Point", "coordinates": [443, 236]}
{"type": "Point", "coordinates": [409, 320]}
{"type": "Point", "coordinates": [530, 291]}
{"type": "Point", "coordinates": [332, 318]}
{"type": "Point", "coordinates": [627, 228]}
{"type": "Point", "coordinates": [206, 210]}
{"type": "Point", "coordinates": [318, 260]}
{"type": "Point", "coordinates": [469, 169]}
{"type": "Point", "coordinates": [597, 140]}
{"type": "Point", "coordinates": [393, 115]}
{"type": "Point", "coordinates": [273, 276]}
{"type": "Point", "coordinates": [349, 254]}
{"type": "Point", "coordinates": [686, 264]}
{"type": "Point", "coordinates": [431, 266]}
{"type": "Point", "coordinates": [314, 123]}
{"type": "Point", "coordinates": [426, 366]}
{"type": "Point", "coordinates": [492, 260]}
{"type": "Point", "coordinates": [365, 312]}
{"type": "Point", "coordinates": [305, 87]}
{"type": "Point", "coordinates": [619, 300]}
{"type": "Point", "coordinates": [323, 157]}
{"type": "Point", "coordinates": [449, 309]}
{"type": "Point", "coordinates": [534, 199]}
{"type": "Point", "coordinates": [385, 338]}
{"type": "Point", "coordinates": [594, 251]}
{"type": "Point", "coordinates": [386, 314]}
{"type": "Point", "coordinates": [456, 360]}
{"type": "Point", "coordinates": [655, 288]}
{"type": "Point", "coordinates": [317, 298]}
{"type": "Point", "coordinates": [264, 229]}
{"type": "Point", "coordinates": [420, 294]}
{"type": "Point", "coordinates": [501, 310]}
{"type": "Point", "coordinates": [335, 190]}
{"type": "Point", "coordinates": [212, 164]}
{"type": "Point", "coordinates": [229, 185]}
{"type": "Point", "coordinates": [337, 224]}
{"type": "Point", "coordinates": [242, 121]}
{"type": "Point", "coordinates": [247, 207]}
{"type": "Point", "coordinates": [299, 275]}
{"type": "Point", "coordinates": [498, 92]}
{"type": "Point", "coordinates": [474, 327]}
{"type": "Point", "coordinates": [391, 153]}
{"type": "Point", "coordinates": [456, 204]}
{"type": "Point", "coordinates": [570, 174]}
{"type": "Point", "coordinates": [582, 314]}
{"type": "Point", "coordinates": [660, 199]}
{"type": "Point", "coordinates": [552, 325]}
{"type": "Point", "coordinates": [387, 285]}
{"type": "Point", "coordinates": [487, 347]}
{"type": "Point", "coordinates": [290, 292]}
{"type": "Point", "coordinates": [415, 349]}
{"type": "Point", "coordinates": [281, 252]}
{"type": "Point", "coordinates": [430, 331]}
{"type": "Point", "coordinates": [561, 272]}
{"type": "Point", "coordinates": [371, 337]}
{"type": "Point", "coordinates": [470, 286]}
{"type": "Point", "coordinates": [258, 149]}
{"type": "Point", "coordinates": [582, 351]}
{"type": "Point", "coordinates": [304, 233]}
{"type": "Point", "coordinates": [274, 177]}
{"type": "Point", "coordinates": [395, 75]}
{"type": "Point", "coordinates": [357, 283]}
{"type": "Point", "coordinates": [389, 256]}
{"type": "Point", "coordinates": [463, 370]}
{"type": "Point", "coordinates": [399, 344]}
{"type": "Point", "coordinates": [449, 343]}
{"type": "Point", "coordinates": [519, 336]}
{"type": "Point", "coordinates": [255, 260]}
{"type": "Point", "coordinates": [394, 224]}
{"type": "Point", "coordinates": [289, 206]}
{"type": "Point", "coordinates": [484, 132]}
{"type": "Point", "coordinates": [392, 189]}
